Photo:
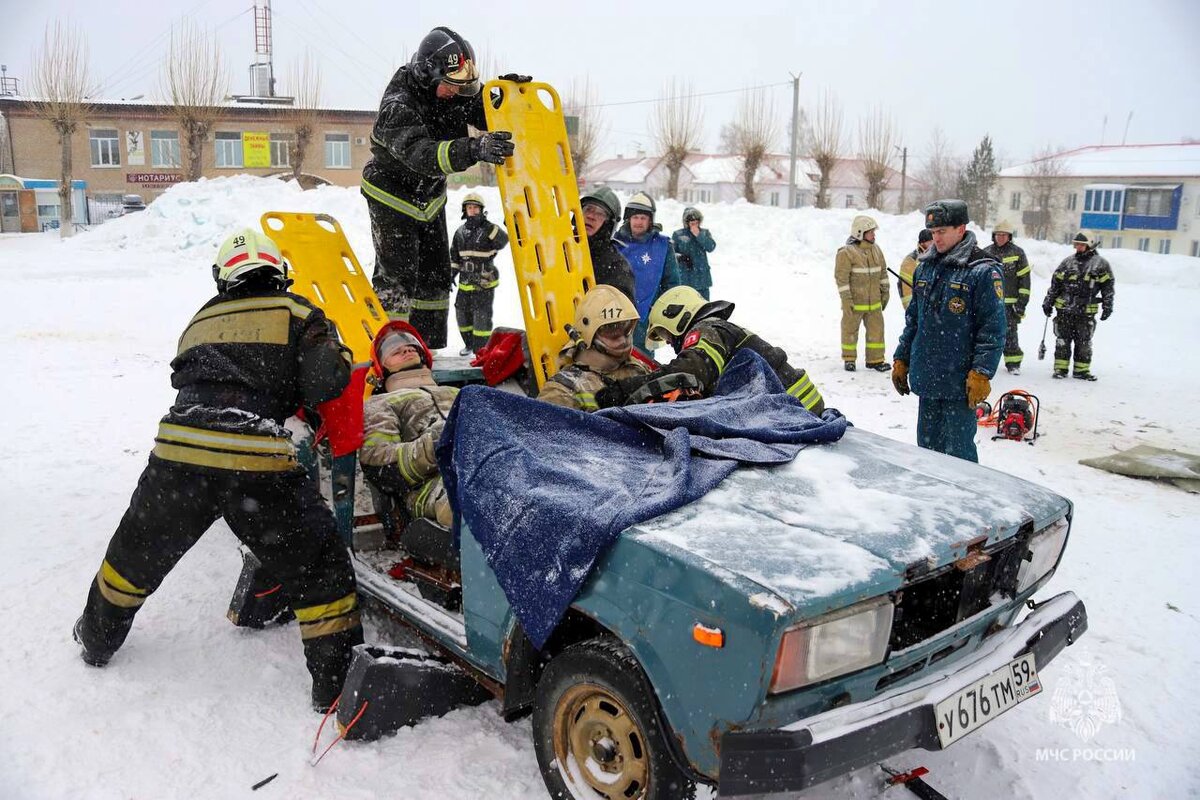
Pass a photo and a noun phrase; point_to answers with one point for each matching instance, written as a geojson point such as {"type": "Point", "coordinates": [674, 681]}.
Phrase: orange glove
{"type": "Point", "coordinates": [900, 376]}
{"type": "Point", "coordinates": [978, 388]}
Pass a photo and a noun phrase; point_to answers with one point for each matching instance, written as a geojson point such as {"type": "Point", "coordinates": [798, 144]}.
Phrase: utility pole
{"type": "Point", "coordinates": [903, 179]}
{"type": "Point", "coordinates": [795, 139]}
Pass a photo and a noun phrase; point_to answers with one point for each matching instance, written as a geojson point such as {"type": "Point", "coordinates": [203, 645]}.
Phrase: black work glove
{"type": "Point", "coordinates": [685, 260]}
{"type": "Point", "coordinates": [661, 386]}
{"type": "Point", "coordinates": [1048, 310]}
{"type": "Point", "coordinates": [1105, 314]}
{"type": "Point", "coordinates": [492, 147]}
{"type": "Point", "coordinates": [617, 392]}
{"type": "Point", "coordinates": [515, 78]}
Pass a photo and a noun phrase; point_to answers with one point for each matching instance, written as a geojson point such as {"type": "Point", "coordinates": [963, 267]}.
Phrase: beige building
{"type": "Point", "coordinates": [135, 147]}
{"type": "Point", "coordinates": [1134, 197]}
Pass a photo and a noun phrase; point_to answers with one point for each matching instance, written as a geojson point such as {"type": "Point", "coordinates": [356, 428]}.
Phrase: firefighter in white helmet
{"type": "Point", "coordinates": [862, 281]}
{"type": "Point", "coordinates": [599, 352]}
{"type": "Point", "coordinates": [249, 359]}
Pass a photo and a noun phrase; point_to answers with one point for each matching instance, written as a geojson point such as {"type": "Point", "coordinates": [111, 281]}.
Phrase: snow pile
{"type": "Point", "coordinates": [192, 707]}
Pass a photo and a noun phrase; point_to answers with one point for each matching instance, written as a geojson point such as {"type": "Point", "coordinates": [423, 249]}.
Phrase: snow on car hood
{"type": "Point", "coordinates": [844, 521]}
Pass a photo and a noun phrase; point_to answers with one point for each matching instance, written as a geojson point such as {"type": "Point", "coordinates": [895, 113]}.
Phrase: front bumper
{"type": "Point", "coordinates": [843, 739]}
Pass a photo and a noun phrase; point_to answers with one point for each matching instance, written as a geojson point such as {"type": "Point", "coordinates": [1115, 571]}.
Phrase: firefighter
{"type": "Point", "coordinates": [599, 352]}
{"type": "Point", "coordinates": [473, 263]}
{"type": "Point", "coordinates": [402, 424]}
{"type": "Point", "coordinates": [1079, 282]}
{"type": "Point", "coordinates": [909, 265]}
{"type": "Point", "coordinates": [250, 358]}
{"type": "Point", "coordinates": [705, 340]}
{"type": "Point", "coordinates": [861, 274]}
{"type": "Point", "coordinates": [1016, 289]}
{"type": "Point", "coordinates": [420, 137]}
{"type": "Point", "coordinates": [953, 333]}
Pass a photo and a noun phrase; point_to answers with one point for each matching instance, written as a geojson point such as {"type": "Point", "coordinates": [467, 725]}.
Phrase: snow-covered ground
{"type": "Point", "coordinates": [193, 707]}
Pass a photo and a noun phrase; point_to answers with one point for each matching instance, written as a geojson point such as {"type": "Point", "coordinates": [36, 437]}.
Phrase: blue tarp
{"type": "Point", "coordinates": [546, 490]}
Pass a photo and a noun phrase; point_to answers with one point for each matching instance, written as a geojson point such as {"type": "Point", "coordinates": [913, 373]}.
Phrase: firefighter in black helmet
{"type": "Point", "coordinates": [420, 137]}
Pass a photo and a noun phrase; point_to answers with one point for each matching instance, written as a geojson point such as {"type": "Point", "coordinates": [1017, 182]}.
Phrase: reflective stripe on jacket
{"type": "Point", "coordinates": [860, 271]}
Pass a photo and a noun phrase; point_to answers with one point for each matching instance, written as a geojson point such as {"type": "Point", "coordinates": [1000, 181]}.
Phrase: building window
{"type": "Point", "coordinates": [774, 198]}
{"type": "Point", "coordinates": [229, 149]}
{"type": "Point", "coordinates": [1072, 201]}
{"type": "Point", "coordinates": [1099, 241]}
{"type": "Point", "coordinates": [106, 151]}
{"type": "Point", "coordinates": [1148, 202]}
{"type": "Point", "coordinates": [1164, 246]}
{"type": "Point", "coordinates": [1196, 249]}
{"type": "Point", "coordinates": [281, 149]}
{"type": "Point", "coordinates": [1116, 242]}
{"type": "Point", "coordinates": [1014, 202]}
{"type": "Point", "coordinates": [1144, 244]}
{"type": "Point", "coordinates": [706, 195]}
{"type": "Point", "coordinates": [337, 150]}
{"type": "Point", "coordinates": [849, 201]}
{"type": "Point", "coordinates": [164, 149]}
{"type": "Point", "coordinates": [48, 212]}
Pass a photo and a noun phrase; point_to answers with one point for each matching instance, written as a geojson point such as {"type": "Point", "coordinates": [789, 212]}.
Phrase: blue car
{"type": "Point", "coordinates": [798, 622]}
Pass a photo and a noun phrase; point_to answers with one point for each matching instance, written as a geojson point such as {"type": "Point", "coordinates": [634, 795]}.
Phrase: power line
{"type": "Point", "coordinates": [687, 96]}
{"type": "Point", "coordinates": [356, 74]}
{"type": "Point", "coordinates": [124, 68]}
{"type": "Point", "coordinates": [387, 60]}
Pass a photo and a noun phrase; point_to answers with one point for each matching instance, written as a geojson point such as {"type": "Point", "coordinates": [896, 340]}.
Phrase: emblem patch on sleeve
{"type": "Point", "coordinates": [956, 305]}
{"type": "Point", "coordinates": [691, 339]}
{"type": "Point", "coordinates": [999, 288]}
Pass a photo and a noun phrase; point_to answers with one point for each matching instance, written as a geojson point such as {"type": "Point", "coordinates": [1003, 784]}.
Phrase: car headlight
{"type": "Point", "coordinates": [832, 645]}
{"type": "Point", "coordinates": [1045, 547]}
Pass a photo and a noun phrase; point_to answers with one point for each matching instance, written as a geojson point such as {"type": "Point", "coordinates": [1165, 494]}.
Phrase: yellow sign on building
{"type": "Point", "coordinates": [256, 149]}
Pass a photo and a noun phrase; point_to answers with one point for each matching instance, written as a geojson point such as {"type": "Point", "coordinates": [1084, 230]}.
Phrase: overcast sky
{"type": "Point", "coordinates": [1032, 73]}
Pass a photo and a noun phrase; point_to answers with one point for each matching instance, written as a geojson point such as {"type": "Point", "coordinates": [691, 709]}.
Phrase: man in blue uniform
{"type": "Point", "coordinates": [954, 332]}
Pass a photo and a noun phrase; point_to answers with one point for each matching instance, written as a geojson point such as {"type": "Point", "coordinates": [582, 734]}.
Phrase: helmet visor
{"type": "Point", "coordinates": [395, 341]}
{"type": "Point", "coordinates": [465, 78]}
{"type": "Point", "coordinates": [658, 335]}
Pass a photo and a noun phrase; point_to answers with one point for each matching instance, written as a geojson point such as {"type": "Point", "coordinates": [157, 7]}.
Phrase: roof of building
{"type": "Point", "coordinates": [1121, 161]}
{"type": "Point", "coordinates": [143, 105]}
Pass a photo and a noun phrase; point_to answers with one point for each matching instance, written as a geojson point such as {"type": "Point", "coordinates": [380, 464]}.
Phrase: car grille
{"type": "Point", "coordinates": [957, 592]}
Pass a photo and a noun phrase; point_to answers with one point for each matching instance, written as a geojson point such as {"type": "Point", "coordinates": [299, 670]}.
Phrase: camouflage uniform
{"type": "Point", "coordinates": [575, 386]}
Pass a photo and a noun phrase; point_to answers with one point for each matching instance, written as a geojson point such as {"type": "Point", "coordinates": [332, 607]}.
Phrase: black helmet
{"type": "Point", "coordinates": [606, 197]}
{"type": "Point", "coordinates": [443, 55]}
{"type": "Point", "coordinates": [1084, 239]}
{"type": "Point", "coordinates": [946, 214]}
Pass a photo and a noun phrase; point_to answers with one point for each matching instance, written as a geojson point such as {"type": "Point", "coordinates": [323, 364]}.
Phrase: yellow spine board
{"type": "Point", "coordinates": [326, 272]}
{"type": "Point", "coordinates": [542, 213]}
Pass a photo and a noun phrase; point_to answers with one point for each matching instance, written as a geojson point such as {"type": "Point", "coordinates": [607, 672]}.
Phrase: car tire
{"type": "Point", "coordinates": [597, 729]}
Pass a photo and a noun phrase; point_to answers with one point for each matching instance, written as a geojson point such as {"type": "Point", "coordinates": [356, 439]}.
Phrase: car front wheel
{"type": "Point", "coordinates": [596, 729]}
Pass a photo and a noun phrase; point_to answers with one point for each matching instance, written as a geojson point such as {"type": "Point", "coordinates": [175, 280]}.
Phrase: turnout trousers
{"type": "Point", "coordinates": [947, 426]}
{"type": "Point", "coordinates": [412, 270]}
{"type": "Point", "coordinates": [851, 321]}
{"type": "Point", "coordinates": [1013, 354]}
{"type": "Point", "coordinates": [1073, 332]}
{"type": "Point", "coordinates": [473, 310]}
{"type": "Point", "coordinates": [281, 518]}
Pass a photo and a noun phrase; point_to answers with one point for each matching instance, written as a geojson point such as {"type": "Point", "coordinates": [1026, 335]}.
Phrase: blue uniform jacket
{"type": "Point", "coordinates": [695, 274]}
{"type": "Point", "coordinates": [955, 321]}
{"type": "Point", "coordinates": [653, 262]}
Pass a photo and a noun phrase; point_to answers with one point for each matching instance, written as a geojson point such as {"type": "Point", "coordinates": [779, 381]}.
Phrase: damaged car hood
{"type": "Point", "coordinates": [848, 520]}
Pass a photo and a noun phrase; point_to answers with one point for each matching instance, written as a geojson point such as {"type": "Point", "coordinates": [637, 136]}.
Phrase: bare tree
{"type": "Point", "coordinates": [941, 171]}
{"type": "Point", "coordinates": [728, 138]}
{"type": "Point", "coordinates": [676, 125]}
{"type": "Point", "coordinates": [827, 143]}
{"type": "Point", "coordinates": [1043, 179]}
{"type": "Point", "coordinates": [486, 66]}
{"type": "Point", "coordinates": [876, 140]}
{"type": "Point", "coordinates": [60, 85]}
{"type": "Point", "coordinates": [757, 129]}
{"type": "Point", "coordinates": [583, 103]}
{"type": "Point", "coordinates": [195, 82]}
{"type": "Point", "coordinates": [305, 84]}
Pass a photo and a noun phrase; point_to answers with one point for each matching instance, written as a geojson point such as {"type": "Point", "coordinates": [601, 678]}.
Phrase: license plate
{"type": "Point", "coordinates": [986, 699]}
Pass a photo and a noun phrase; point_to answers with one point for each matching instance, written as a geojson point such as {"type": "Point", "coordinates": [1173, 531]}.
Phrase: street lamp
{"type": "Point", "coordinates": [903, 174]}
